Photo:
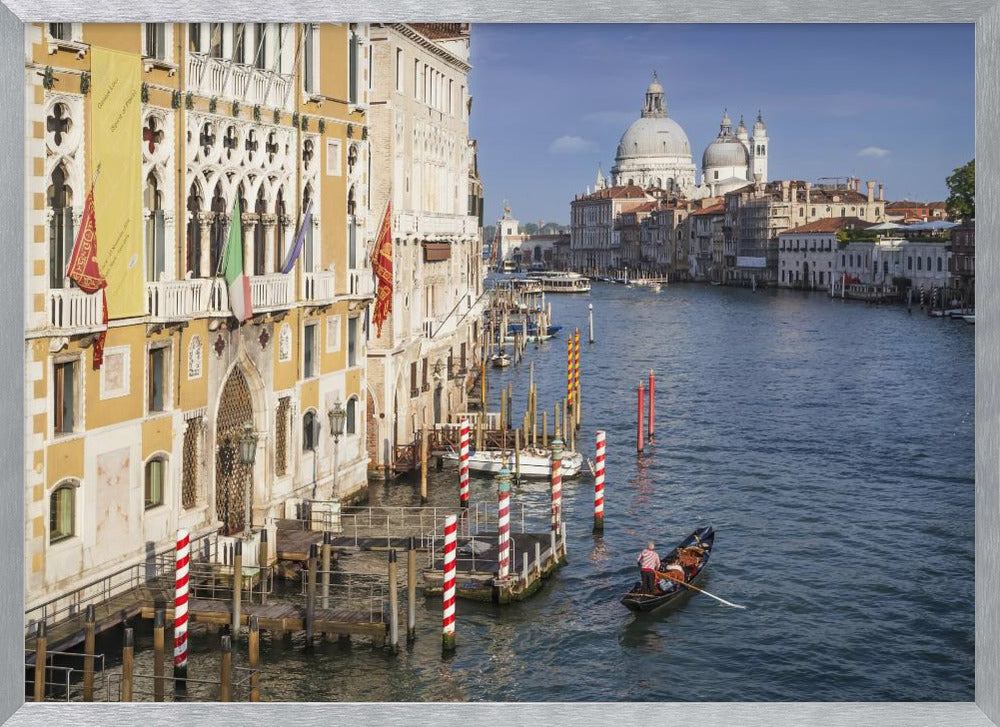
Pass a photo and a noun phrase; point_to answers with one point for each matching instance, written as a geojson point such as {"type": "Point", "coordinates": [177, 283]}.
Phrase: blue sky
{"type": "Point", "coordinates": [888, 102]}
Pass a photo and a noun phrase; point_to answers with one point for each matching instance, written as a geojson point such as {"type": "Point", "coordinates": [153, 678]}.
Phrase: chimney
{"type": "Point", "coordinates": [880, 192]}
{"type": "Point", "coordinates": [871, 191]}
{"type": "Point", "coordinates": [808, 187]}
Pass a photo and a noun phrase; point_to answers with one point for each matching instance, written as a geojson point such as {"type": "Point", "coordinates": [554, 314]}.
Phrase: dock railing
{"type": "Point", "coordinates": [64, 681]}
{"type": "Point", "coordinates": [363, 594]}
{"type": "Point", "coordinates": [155, 570]}
{"type": "Point", "coordinates": [143, 686]}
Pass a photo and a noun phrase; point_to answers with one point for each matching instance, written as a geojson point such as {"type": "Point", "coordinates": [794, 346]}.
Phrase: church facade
{"type": "Point", "coordinates": [654, 152]}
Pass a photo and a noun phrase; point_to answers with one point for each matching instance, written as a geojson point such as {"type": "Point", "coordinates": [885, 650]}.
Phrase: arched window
{"type": "Point", "coordinates": [307, 244]}
{"type": "Point", "coordinates": [155, 242]}
{"type": "Point", "coordinates": [279, 232]}
{"type": "Point", "coordinates": [259, 234]}
{"type": "Point", "coordinates": [939, 264]}
{"type": "Point", "coordinates": [309, 431]}
{"type": "Point", "coordinates": [920, 261]}
{"type": "Point", "coordinates": [193, 261]}
{"type": "Point", "coordinates": [60, 200]}
{"type": "Point", "coordinates": [62, 512]}
{"type": "Point", "coordinates": [352, 415]}
{"type": "Point", "coordinates": [218, 234]}
{"type": "Point", "coordinates": [156, 470]}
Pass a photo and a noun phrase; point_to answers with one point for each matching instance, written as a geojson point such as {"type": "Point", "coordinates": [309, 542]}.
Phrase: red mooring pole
{"type": "Point", "coordinates": [640, 415]}
{"type": "Point", "coordinates": [652, 403]}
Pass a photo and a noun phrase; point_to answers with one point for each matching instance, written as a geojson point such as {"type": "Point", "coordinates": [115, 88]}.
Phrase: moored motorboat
{"type": "Point", "coordinates": [534, 462]}
{"type": "Point", "coordinates": [695, 551]}
{"type": "Point", "coordinates": [500, 360]}
{"type": "Point", "coordinates": [970, 319]}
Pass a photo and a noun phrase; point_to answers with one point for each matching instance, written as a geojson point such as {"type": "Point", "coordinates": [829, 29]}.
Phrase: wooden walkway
{"type": "Point", "coordinates": [108, 614]}
{"type": "Point", "coordinates": [284, 616]}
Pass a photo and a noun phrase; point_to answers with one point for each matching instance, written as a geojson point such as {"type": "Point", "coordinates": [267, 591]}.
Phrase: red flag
{"type": "Point", "coordinates": [84, 271]}
{"type": "Point", "coordinates": [382, 267]}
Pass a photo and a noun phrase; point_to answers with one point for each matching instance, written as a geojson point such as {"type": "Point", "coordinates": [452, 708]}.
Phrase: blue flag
{"type": "Point", "coordinates": [293, 254]}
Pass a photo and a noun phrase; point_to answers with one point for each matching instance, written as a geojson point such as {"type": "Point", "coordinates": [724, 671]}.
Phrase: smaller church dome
{"type": "Point", "coordinates": [655, 86]}
{"type": "Point", "coordinates": [725, 151]}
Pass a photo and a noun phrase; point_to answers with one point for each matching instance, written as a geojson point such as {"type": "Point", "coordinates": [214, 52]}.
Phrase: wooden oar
{"type": "Point", "coordinates": [699, 590]}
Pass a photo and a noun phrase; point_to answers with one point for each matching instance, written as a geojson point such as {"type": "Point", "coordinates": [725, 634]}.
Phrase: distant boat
{"type": "Point", "coordinates": [559, 282]}
{"type": "Point", "coordinates": [656, 287]}
{"type": "Point", "coordinates": [500, 360]}
{"type": "Point", "coordinates": [970, 319]}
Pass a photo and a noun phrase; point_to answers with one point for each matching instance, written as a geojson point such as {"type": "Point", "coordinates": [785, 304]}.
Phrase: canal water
{"type": "Point", "coordinates": [830, 443]}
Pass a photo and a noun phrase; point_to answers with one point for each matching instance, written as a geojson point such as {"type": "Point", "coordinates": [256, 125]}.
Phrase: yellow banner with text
{"type": "Point", "coordinates": [116, 124]}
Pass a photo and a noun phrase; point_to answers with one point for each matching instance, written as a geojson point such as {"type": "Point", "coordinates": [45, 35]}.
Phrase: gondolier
{"type": "Point", "coordinates": [649, 563]}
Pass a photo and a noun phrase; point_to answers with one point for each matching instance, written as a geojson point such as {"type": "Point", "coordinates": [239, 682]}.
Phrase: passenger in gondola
{"type": "Point", "coordinates": [673, 572]}
{"type": "Point", "coordinates": [649, 564]}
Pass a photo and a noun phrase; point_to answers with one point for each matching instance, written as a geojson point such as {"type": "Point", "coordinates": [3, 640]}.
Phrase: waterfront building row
{"type": "Point", "coordinates": [182, 121]}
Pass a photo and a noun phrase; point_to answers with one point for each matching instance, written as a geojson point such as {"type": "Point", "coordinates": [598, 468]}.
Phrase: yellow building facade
{"type": "Point", "coordinates": [183, 120]}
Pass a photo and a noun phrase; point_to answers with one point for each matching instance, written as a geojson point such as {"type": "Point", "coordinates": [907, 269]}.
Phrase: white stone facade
{"type": "Point", "coordinates": [423, 160]}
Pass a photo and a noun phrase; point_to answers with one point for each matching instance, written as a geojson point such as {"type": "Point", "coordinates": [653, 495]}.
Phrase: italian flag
{"type": "Point", "coordinates": [232, 269]}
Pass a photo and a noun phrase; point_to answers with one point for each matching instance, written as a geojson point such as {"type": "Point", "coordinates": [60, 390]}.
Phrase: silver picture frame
{"type": "Point", "coordinates": [985, 710]}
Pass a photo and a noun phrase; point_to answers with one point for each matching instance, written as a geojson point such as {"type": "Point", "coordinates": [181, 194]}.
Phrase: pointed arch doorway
{"type": "Point", "coordinates": [233, 479]}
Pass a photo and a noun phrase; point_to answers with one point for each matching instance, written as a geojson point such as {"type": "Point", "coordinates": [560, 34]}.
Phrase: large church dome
{"type": "Point", "coordinates": [653, 136]}
{"type": "Point", "coordinates": [654, 151]}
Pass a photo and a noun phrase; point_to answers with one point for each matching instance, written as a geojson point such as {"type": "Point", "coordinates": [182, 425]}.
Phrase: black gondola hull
{"type": "Point", "coordinates": [637, 601]}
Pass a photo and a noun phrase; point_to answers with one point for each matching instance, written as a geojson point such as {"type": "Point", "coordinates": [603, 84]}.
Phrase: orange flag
{"type": "Point", "coordinates": [382, 267]}
{"type": "Point", "coordinates": [84, 271]}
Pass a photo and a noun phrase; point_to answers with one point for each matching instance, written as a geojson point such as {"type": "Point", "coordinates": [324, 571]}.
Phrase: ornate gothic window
{"type": "Point", "coordinates": [59, 199]}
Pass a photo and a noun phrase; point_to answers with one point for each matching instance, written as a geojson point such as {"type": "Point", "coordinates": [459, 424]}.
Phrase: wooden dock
{"type": "Point", "coordinates": [476, 577]}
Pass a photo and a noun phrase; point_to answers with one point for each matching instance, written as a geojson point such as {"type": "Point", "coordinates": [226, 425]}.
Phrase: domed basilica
{"type": "Point", "coordinates": [654, 152]}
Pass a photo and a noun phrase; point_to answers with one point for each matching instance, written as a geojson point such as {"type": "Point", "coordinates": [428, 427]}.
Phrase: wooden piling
{"type": "Point", "coordinates": [517, 454]}
{"type": "Point", "coordinates": [262, 555]}
{"type": "Point", "coordinates": [503, 408]}
{"type": "Point", "coordinates": [590, 321]}
{"type": "Point", "coordinates": [411, 589]}
{"type": "Point", "coordinates": [311, 594]}
{"type": "Point", "coordinates": [545, 429]}
{"type": "Point", "coordinates": [237, 587]}
{"type": "Point", "coordinates": [325, 577]}
{"type": "Point", "coordinates": [226, 671]}
{"type": "Point", "coordinates": [41, 649]}
{"type": "Point", "coordinates": [88, 653]}
{"type": "Point", "coordinates": [159, 621]}
{"type": "Point", "coordinates": [128, 664]}
{"type": "Point", "coordinates": [393, 602]}
{"type": "Point", "coordinates": [253, 643]}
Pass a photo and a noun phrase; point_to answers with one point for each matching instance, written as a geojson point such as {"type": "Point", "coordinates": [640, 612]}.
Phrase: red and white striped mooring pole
{"type": "Point", "coordinates": [448, 591]}
{"type": "Point", "coordinates": [503, 523]}
{"type": "Point", "coordinates": [181, 609]}
{"type": "Point", "coordinates": [557, 451]}
{"type": "Point", "coordinates": [463, 463]}
{"type": "Point", "coordinates": [599, 484]}
{"type": "Point", "coordinates": [638, 422]}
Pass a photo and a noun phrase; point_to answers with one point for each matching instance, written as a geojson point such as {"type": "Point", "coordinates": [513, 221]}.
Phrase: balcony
{"type": "Point", "coordinates": [360, 284]}
{"type": "Point", "coordinates": [270, 292]}
{"type": "Point", "coordinates": [177, 300]}
{"type": "Point", "coordinates": [319, 287]}
{"type": "Point", "coordinates": [231, 81]}
{"type": "Point", "coordinates": [72, 310]}
{"type": "Point", "coordinates": [405, 223]}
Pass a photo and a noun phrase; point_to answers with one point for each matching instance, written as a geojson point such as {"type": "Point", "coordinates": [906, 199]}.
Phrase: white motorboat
{"type": "Point", "coordinates": [561, 282]}
{"type": "Point", "coordinates": [970, 319]}
{"type": "Point", "coordinates": [500, 360]}
{"type": "Point", "coordinates": [534, 462]}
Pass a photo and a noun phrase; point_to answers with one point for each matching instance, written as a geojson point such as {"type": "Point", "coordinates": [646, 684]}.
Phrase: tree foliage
{"type": "Point", "coordinates": [961, 202]}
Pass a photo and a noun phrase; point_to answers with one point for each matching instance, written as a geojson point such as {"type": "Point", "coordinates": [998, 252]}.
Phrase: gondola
{"type": "Point", "coordinates": [701, 539]}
